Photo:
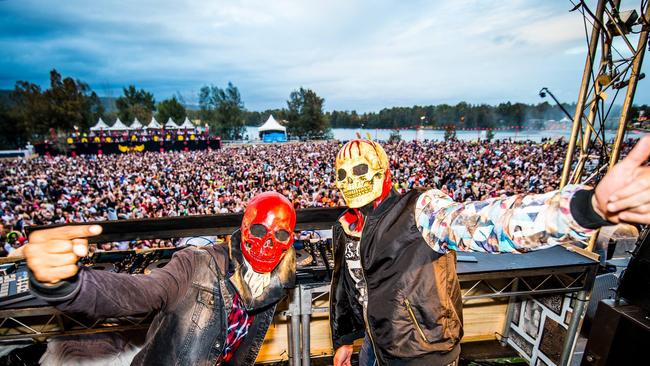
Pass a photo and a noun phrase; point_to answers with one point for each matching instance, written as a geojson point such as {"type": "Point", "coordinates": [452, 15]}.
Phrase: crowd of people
{"type": "Point", "coordinates": [46, 190]}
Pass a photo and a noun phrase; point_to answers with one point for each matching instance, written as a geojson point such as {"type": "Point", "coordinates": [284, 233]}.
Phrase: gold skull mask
{"type": "Point", "coordinates": [361, 169]}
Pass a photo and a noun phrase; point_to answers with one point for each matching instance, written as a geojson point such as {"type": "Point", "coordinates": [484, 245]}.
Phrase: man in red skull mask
{"type": "Point", "coordinates": [214, 303]}
{"type": "Point", "coordinates": [394, 280]}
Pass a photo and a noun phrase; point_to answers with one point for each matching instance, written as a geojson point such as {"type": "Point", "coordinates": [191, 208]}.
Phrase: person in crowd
{"type": "Point", "coordinates": [394, 281]}
{"type": "Point", "coordinates": [214, 304]}
{"type": "Point", "coordinates": [49, 190]}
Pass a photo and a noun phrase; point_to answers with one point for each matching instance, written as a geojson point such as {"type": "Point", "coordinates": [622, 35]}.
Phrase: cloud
{"type": "Point", "coordinates": [362, 55]}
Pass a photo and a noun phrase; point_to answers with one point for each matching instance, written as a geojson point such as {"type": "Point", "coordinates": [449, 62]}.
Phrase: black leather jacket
{"type": "Point", "coordinates": [193, 295]}
{"type": "Point", "coordinates": [414, 313]}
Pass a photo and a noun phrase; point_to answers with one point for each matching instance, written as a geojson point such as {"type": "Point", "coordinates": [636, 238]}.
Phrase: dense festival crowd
{"type": "Point", "coordinates": [61, 189]}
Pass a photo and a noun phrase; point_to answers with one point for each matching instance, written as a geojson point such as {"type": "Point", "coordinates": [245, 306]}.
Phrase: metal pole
{"type": "Point", "coordinates": [574, 327]}
{"type": "Point", "coordinates": [605, 60]}
{"type": "Point", "coordinates": [306, 318]}
{"type": "Point", "coordinates": [295, 323]}
{"type": "Point", "coordinates": [305, 314]}
{"type": "Point", "coordinates": [290, 340]}
{"type": "Point", "coordinates": [584, 89]}
{"type": "Point", "coordinates": [505, 333]}
{"type": "Point", "coordinates": [584, 147]}
{"type": "Point", "coordinates": [631, 89]}
{"type": "Point", "coordinates": [293, 328]}
{"type": "Point", "coordinates": [558, 102]}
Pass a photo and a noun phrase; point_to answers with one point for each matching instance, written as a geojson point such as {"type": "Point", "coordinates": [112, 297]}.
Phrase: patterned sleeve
{"type": "Point", "coordinates": [518, 223]}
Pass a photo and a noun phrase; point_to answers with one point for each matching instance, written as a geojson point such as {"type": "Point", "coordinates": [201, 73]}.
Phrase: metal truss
{"type": "Point", "coordinates": [299, 313]}
{"type": "Point", "coordinates": [40, 323]}
{"type": "Point", "coordinates": [524, 285]}
{"type": "Point", "coordinates": [613, 65]}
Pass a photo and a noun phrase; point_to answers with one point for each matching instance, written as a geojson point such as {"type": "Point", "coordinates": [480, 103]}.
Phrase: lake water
{"type": "Point", "coordinates": [409, 135]}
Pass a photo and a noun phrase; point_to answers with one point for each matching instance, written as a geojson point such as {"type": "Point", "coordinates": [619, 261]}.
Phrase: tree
{"type": "Point", "coordinates": [71, 103]}
{"type": "Point", "coordinates": [30, 109]}
{"type": "Point", "coordinates": [170, 108]}
{"type": "Point", "coordinates": [305, 115]}
{"type": "Point", "coordinates": [14, 135]}
{"type": "Point", "coordinates": [223, 111]}
{"type": "Point", "coordinates": [135, 103]}
{"type": "Point", "coordinates": [254, 118]}
{"type": "Point", "coordinates": [67, 104]}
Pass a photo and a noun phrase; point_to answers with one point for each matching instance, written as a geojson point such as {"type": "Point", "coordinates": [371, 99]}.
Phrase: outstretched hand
{"type": "Point", "coordinates": [52, 254]}
{"type": "Point", "coordinates": [623, 195]}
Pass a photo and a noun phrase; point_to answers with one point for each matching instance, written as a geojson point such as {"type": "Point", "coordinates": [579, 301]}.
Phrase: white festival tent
{"type": "Point", "coordinates": [272, 125]}
{"type": "Point", "coordinates": [187, 124]}
{"type": "Point", "coordinates": [170, 125]}
{"type": "Point", "coordinates": [101, 125]}
{"type": "Point", "coordinates": [136, 125]}
{"type": "Point", "coordinates": [118, 126]}
{"type": "Point", "coordinates": [153, 124]}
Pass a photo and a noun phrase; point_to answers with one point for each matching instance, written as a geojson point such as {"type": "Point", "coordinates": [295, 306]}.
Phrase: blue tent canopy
{"type": "Point", "coordinates": [274, 136]}
{"type": "Point", "coordinates": [272, 131]}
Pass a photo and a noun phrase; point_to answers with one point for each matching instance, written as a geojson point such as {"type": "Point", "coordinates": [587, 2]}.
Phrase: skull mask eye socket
{"type": "Point", "coordinates": [282, 235]}
{"type": "Point", "coordinates": [361, 169]}
{"type": "Point", "coordinates": [341, 174]}
{"type": "Point", "coordinates": [258, 230]}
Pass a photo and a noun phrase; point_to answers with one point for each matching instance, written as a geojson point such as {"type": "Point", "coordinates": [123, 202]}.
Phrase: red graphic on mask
{"type": "Point", "coordinates": [267, 230]}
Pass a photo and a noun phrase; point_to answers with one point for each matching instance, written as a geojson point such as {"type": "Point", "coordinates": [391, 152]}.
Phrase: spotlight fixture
{"type": "Point", "coordinates": [542, 94]}
{"type": "Point", "coordinates": [625, 20]}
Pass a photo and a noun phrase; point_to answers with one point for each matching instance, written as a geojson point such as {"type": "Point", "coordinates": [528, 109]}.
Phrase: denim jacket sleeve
{"type": "Point", "coordinates": [99, 294]}
{"type": "Point", "coordinates": [518, 223]}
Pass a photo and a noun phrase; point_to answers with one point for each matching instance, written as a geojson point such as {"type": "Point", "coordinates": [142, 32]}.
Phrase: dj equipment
{"type": "Point", "coordinates": [303, 258]}
{"type": "Point", "coordinates": [14, 280]}
{"type": "Point", "coordinates": [314, 261]}
{"type": "Point", "coordinates": [130, 261]}
{"type": "Point", "coordinates": [14, 284]}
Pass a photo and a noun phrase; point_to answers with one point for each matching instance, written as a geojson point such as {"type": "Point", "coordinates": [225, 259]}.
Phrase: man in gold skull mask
{"type": "Point", "coordinates": [394, 280]}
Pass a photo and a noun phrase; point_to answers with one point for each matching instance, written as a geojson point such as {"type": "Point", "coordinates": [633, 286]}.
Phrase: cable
{"type": "Point", "coordinates": [585, 18]}
{"type": "Point", "coordinates": [208, 241]}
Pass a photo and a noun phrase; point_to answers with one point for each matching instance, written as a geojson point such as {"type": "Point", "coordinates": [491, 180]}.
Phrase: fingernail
{"type": "Point", "coordinates": [613, 198]}
{"type": "Point", "coordinates": [95, 229]}
{"type": "Point", "coordinates": [611, 207]}
{"type": "Point", "coordinates": [80, 250]}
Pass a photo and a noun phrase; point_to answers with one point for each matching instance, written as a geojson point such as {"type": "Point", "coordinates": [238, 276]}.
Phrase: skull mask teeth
{"type": "Point", "coordinates": [361, 167]}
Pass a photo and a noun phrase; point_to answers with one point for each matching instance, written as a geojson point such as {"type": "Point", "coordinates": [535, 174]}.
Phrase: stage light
{"type": "Point", "coordinates": [626, 19]}
{"type": "Point", "coordinates": [542, 94]}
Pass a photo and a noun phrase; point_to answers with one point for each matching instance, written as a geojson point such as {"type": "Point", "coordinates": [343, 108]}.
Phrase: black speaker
{"type": "Point", "coordinates": [619, 336]}
{"type": "Point", "coordinates": [635, 282]}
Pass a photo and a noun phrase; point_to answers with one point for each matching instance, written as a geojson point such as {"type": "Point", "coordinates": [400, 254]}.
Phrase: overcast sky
{"type": "Point", "coordinates": [363, 55]}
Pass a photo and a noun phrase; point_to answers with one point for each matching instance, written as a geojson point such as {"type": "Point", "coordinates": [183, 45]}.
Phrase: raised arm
{"type": "Point", "coordinates": [52, 255]}
{"type": "Point", "coordinates": [518, 223]}
{"type": "Point", "coordinates": [528, 222]}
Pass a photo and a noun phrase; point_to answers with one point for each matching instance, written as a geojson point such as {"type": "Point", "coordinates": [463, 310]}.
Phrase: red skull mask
{"type": "Point", "coordinates": [267, 230]}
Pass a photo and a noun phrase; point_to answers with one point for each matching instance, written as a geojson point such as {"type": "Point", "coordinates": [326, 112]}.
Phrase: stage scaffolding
{"type": "Point", "coordinates": [551, 271]}
{"type": "Point", "coordinates": [613, 65]}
